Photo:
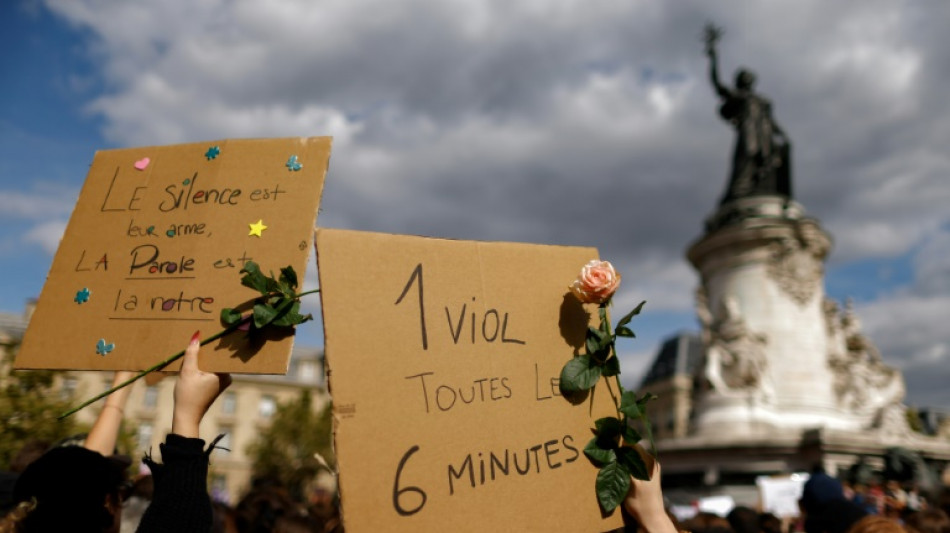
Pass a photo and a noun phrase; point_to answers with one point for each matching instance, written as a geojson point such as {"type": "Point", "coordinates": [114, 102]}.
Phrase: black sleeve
{"type": "Point", "coordinates": [180, 503]}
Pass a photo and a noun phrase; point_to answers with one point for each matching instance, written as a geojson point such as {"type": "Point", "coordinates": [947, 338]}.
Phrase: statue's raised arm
{"type": "Point", "coordinates": [711, 35]}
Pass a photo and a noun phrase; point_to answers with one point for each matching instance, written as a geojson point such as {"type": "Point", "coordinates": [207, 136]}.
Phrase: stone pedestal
{"type": "Point", "coordinates": [761, 303]}
{"type": "Point", "coordinates": [787, 380]}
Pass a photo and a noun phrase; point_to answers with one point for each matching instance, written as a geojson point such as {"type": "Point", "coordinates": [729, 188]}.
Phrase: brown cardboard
{"type": "Point", "coordinates": [405, 412]}
{"type": "Point", "coordinates": [127, 305]}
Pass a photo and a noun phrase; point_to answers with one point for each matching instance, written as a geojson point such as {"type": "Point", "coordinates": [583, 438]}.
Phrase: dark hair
{"type": "Point", "coordinates": [29, 452]}
{"type": "Point", "coordinates": [769, 523]}
{"type": "Point", "coordinates": [930, 520]}
{"type": "Point", "coordinates": [744, 520]}
{"type": "Point", "coordinates": [70, 485]}
{"type": "Point", "coordinates": [261, 508]}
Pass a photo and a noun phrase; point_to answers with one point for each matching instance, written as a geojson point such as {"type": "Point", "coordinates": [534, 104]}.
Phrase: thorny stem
{"type": "Point", "coordinates": [605, 326]}
{"type": "Point", "coordinates": [157, 366]}
{"type": "Point", "coordinates": [162, 364]}
{"type": "Point", "coordinates": [613, 347]}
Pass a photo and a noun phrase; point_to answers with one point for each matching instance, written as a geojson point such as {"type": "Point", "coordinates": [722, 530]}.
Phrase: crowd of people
{"type": "Point", "coordinates": [83, 487]}
{"type": "Point", "coordinates": [829, 505]}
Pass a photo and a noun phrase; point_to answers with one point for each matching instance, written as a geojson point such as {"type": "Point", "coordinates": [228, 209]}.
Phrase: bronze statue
{"type": "Point", "coordinates": [761, 162]}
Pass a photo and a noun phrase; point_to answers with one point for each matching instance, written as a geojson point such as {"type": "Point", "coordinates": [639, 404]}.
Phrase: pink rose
{"type": "Point", "coordinates": [596, 283]}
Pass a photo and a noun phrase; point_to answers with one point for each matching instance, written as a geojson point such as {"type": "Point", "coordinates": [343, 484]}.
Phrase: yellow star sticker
{"type": "Point", "coordinates": [257, 228]}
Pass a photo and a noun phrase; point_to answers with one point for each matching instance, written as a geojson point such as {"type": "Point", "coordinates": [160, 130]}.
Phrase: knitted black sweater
{"type": "Point", "coordinates": [180, 502]}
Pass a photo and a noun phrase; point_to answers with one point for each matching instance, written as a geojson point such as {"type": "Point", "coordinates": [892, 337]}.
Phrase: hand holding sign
{"type": "Point", "coordinates": [443, 360]}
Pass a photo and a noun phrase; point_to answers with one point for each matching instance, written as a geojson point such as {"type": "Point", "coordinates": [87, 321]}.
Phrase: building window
{"type": "Point", "coordinates": [308, 371]}
{"type": "Point", "coordinates": [150, 400]}
{"type": "Point", "coordinates": [219, 488]}
{"type": "Point", "coordinates": [68, 388]}
{"type": "Point", "coordinates": [229, 403]}
{"type": "Point", "coordinates": [267, 407]}
{"type": "Point", "coordinates": [144, 436]}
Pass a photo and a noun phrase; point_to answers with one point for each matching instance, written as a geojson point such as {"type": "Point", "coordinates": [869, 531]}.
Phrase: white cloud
{"type": "Point", "coordinates": [47, 235]}
{"type": "Point", "coordinates": [41, 202]}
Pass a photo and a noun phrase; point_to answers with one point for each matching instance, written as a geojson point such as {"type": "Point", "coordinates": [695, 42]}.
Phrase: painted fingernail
{"type": "Point", "coordinates": [196, 337]}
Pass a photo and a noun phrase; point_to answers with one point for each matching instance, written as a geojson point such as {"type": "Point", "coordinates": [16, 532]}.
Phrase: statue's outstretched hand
{"type": "Point", "coordinates": [711, 35]}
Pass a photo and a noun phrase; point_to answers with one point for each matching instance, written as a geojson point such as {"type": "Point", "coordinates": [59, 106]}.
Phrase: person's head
{"type": "Point", "coordinates": [259, 509]}
{"type": "Point", "coordinates": [835, 516]}
{"type": "Point", "coordinates": [769, 523]}
{"type": "Point", "coordinates": [819, 490]}
{"type": "Point", "coordinates": [29, 452]}
{"type": "Point", "coordinates": [73, 489]}
{"type": "Point", "coordinates": [876, 524]}
{"type": "Point", "coordinates": [931, 520]}
{"type": "Point", "coordinates": [745, 79]}
{"type": "Point", "coordinates": [744, 520]}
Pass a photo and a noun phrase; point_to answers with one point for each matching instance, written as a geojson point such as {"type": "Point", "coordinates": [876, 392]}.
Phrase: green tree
{"type": "Point", "coordinates": [29, 405]}
{"type": "Point", "coordinates": [286, 449]}
{"type": "Point", "coordinates": [913, 419]}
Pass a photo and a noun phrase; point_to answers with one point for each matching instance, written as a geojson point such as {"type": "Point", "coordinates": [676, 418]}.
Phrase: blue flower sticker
{"type": "Point", "coordinates": [102, 348]}
{"type": "Point", "coordinates": [212, 152]}
{"type": "Point", "coordinates": [294, 164]}
{"type": "Point", "coordinates": [82, 296]}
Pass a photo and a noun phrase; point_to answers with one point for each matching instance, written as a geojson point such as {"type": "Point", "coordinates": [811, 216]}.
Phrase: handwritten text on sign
{"type": "Point", "coordinates": [443, 362]}
{"type": "Point", "coordinates": [155, 245]}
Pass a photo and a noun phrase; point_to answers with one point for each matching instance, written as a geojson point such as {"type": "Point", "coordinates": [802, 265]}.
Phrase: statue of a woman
{"type": "Point", "coordinates": [761, 160]}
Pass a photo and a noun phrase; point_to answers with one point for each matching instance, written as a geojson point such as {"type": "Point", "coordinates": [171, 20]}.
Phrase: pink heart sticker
{"type": "Point", "coordinates": [142, 163]}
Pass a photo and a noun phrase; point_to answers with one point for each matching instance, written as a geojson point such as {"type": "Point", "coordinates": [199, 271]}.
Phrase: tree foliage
{"type": "Point", "coordinates": [29, 405]}
{"type": "Point", "coordinates": [286, 448]}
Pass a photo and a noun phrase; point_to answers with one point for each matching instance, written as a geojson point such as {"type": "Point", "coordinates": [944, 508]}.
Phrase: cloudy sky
{"type": "Point", "coordinates": [549, 121]}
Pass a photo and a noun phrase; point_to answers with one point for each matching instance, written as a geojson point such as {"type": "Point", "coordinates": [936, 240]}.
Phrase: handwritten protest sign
{"type": "Point", "coordinates": [154, 248]}
{"type": "Point", "coordinates": [443, 363]}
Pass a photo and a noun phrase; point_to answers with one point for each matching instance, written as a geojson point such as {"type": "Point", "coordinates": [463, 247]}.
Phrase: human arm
{"type": "Point", "coordinates": [195, 391]}
{"type": "Point", "coordinates": [180, 503]}
{"type": "Point", "coordinates": [644, 500]}
{"type": "Point", "coordinates": [105, 431]}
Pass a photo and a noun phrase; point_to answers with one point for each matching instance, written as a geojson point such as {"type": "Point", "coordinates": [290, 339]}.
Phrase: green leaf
{"type": "Point", "coordinates": [263, 315]}
{"type": "Point", "coordinates": [631, 459]}
{"type": "Point", "coordinates": [289, 278]}
{"type": "Point", "coordinates": [624, 331]}
{"type": "Point", "coordinates": [597, 341]}
{"type": "Point", "coordinates": [629, 405]}
{"type": "Point", "coordinates": [612, 367]}
{"type": "Point", "coordinates": [230, 316]}
{"type": "Point", "coordinates": [646, 398]}
{"type": "Point", "coordinates": [630, 435]}
{"type": "Point", "coordinates": [598, 455]}
{"type": "Point", "coordinates": [291, 317]}
{"type": "Point", "coordinates": [613, 483]}
{"type": "Point", "coordinates": [608, 428]}
{"type": "Point", "coordinates": [579, 374]}
{"type": "Point", "coordinates": [253, 278]}
{"type": "Point", "coordinates": [273, 285]}
{"type": "Point", "coordinates": [629, 316]}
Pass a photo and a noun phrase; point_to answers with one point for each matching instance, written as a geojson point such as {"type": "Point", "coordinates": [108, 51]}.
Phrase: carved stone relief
{"type": "Point", "coordinates": [736, 359]}
{"type": "Point", "coordinates": [795, 269]}
{"type": "Point", "coordinates": [863, 384]}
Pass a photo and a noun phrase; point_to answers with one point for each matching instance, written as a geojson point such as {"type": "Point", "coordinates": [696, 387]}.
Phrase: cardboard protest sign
{"type": "Point", "coordinates": [443, 358]}
{"type": "Point", "coordinates": [154, 248]}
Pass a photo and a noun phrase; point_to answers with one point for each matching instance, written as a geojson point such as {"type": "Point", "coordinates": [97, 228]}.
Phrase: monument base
{"type": "Point", "coordinates": [728, 462]}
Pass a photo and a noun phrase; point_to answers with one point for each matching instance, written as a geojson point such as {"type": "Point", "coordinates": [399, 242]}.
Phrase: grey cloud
{"type": "Point", "coordinates": [577, 124]}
